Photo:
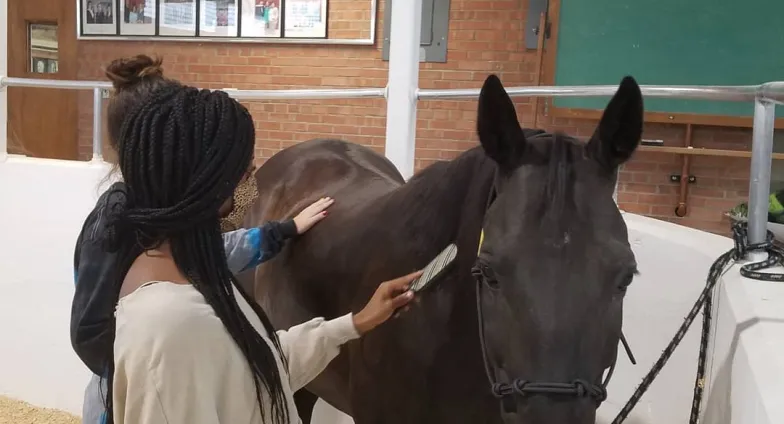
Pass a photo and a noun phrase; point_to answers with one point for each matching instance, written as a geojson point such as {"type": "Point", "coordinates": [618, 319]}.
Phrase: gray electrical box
{"type": "Point", "coordinates": [531, 35]}
{"type": "Point", "coordinates": [435, 28]}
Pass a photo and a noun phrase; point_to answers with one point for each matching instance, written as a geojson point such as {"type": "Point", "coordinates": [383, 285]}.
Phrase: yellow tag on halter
{"type": "Point", "coordinates": [481, 240]}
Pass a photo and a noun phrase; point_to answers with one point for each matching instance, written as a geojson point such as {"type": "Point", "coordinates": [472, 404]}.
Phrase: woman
{"type": "Point", "coordinates": [95, 269]}
{"type": "Point", "coordinates": [190, 346]}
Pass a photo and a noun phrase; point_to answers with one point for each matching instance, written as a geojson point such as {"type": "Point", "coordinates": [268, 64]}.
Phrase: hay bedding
{"type": "Point", "coordinates": [18, 412]}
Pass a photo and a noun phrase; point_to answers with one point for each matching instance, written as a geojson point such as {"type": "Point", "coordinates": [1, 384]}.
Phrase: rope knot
{"type": "Point", "coordinates": [519, 386]}
{"type": "Point", "coordinates": [741, 238]}
{"type": "Point", "coordinates": [600, 395]}
{"type": "Point", "coordinates": [499, 390]}
{"type": "Point", "coordinates": [583, 388]}
{"type": "Point", "coordinates": [580, 388]}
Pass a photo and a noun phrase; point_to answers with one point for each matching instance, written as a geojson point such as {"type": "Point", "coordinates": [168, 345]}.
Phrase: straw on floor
{"type": "Point", "coordinates": [17, 412]}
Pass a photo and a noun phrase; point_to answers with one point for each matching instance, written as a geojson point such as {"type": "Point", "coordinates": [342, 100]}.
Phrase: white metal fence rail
{"type": "Point", "coordinates": [764, 96]}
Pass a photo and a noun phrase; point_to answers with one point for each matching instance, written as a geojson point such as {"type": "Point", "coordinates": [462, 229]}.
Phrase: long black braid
{"type": "Point", "coordinates": [182, 154]}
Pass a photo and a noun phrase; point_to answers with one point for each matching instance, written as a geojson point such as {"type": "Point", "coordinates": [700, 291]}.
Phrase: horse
{"type": "Point", "coordinates": [523, 325]}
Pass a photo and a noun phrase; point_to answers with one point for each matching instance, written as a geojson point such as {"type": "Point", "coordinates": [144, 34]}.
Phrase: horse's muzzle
{"type": "Point", "coordinates": [539, 409]}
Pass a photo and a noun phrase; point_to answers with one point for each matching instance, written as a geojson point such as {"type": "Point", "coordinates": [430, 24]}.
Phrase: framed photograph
{"type": "Point", "coordinates": [38, 65]}
{"type": "Point", "coordinates": [218, 18]}
{"type": "Point", "coordinates": [98, 17]}
{"type": "Point", "coordinates": [177, 18]}
{"type": "Point", "coordinates": [138, 17]}
{"type": "Point", "coordinates": [305, 19]}
{"type": "Point", "coordinates": [261, 18]}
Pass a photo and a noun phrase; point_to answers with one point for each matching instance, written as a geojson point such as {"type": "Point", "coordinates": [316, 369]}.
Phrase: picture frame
{"type": "Point", "coordinates": [38, 65]}
{"type": "Point", "coordinates": [242, 21]}
{"type": "Point", "coordinates": [219, 18]}
{"type": "Point", "coordinates": [42, 65]}
{"type": "Point", "coordinates": [177, 18]}
{"type": "Point", "coordinates": [262, 18]}
{"type": "Point", "coordinates": [305, 19]}
{"type": "Point", "coordinates": [99, 17]}
{"type": "Point", "coordinates": [138, 17]}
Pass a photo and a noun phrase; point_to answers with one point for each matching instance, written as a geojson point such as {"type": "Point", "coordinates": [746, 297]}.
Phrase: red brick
{"type": "Point", "coordinates": [635, 208]}
{"type": "Point", "coordinates": [484, 36]}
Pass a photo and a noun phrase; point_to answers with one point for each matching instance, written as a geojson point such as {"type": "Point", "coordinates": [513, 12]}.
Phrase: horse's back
{"type": "Point", "coordinates": [293, 287]}
{"type": "Point", "coordinates": [295, 177]}
{"type": "Point", "coordinates": [299, 175]}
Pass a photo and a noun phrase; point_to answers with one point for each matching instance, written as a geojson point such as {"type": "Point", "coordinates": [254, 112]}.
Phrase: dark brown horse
{"type": "Point", "coordinates": [546, 289]}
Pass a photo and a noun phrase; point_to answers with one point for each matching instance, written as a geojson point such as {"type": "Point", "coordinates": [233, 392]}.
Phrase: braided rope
{"type": "Point", "coordinates": [704, 302]}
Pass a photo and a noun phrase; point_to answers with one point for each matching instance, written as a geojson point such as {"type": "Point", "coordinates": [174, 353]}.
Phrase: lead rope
{"type": "Point", "coordinates": [719, 267]}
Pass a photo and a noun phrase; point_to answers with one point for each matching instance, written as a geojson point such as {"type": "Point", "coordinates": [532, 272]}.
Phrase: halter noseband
{"type": "Point", "coordinates": [521, 387]}
{"type": "Point", "coordinates": [506, 392]}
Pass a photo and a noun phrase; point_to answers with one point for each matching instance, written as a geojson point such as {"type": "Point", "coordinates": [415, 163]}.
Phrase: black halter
{"type": "Point", "coordinates": [506, 392]}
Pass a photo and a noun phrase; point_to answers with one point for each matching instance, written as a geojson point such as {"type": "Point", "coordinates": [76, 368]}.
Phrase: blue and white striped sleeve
{"type": "Point", "coordinates": [247, 248]}
{"type": "Point", "coordinates": [242, 248]}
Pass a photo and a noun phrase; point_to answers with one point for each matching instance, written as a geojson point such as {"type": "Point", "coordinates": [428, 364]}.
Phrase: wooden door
{"type": "Point", "coordinates": [42, 122]}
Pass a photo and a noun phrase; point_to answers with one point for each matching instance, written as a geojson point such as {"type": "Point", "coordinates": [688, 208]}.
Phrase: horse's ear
{"type": "Point", "coordinates": [497, 125]}
{"type": "Point", "coordinates": [620, 129]}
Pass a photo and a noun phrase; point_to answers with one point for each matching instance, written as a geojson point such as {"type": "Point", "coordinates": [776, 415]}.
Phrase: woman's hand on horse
{"type": "Point", "coordinates": [312, 214]}
{"type": "Point", "coordinates": [388, 298]}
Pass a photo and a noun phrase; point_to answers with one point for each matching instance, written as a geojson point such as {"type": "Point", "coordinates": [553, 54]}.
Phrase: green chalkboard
{"type": "Point", "coordinates": [670, 42]}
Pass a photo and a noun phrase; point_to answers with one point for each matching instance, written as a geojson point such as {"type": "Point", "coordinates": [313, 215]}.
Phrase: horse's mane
{"type": "Point", "coordinates": [446, 202]}
{"type": "Point", "coordinates": [559, 153]}
{"type": "Point", "coordinates": [469, 179]}
{"type": "Point", "coordinates": [560, 177]}
{"type": "Point", "coordinates": [434, 205]}
{"type": "Point", "coordinates": [447, 179]}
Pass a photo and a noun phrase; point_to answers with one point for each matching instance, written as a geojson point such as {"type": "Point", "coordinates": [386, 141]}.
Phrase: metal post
{"type": "Point", "coordinates": [3, 72]}
{"type": "Point", "coordinates": [761, 157]}
{"type": "Point", "coordinates": [403, 83]}
{"type": "Point", "coordinates": [97, 125]}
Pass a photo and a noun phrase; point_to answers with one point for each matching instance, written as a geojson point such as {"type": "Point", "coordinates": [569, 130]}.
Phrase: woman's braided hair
{"type": "Point", "coordinates": [182, 153]}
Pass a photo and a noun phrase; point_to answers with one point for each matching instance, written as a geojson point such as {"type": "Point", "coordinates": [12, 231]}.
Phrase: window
{"type": "Point", "coordinates": [43, 48]}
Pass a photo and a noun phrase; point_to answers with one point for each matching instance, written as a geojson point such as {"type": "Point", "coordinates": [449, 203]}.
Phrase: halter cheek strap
{"type": "Point", "coordinates": [505, 392]}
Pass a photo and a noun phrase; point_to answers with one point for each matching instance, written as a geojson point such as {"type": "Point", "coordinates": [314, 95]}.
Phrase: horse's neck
{"type": "Point", "coordinates": [439, 207]}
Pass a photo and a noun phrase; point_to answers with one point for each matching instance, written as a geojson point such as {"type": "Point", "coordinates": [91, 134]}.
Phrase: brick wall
{"type": "Point", "coordinates": [484, 37]}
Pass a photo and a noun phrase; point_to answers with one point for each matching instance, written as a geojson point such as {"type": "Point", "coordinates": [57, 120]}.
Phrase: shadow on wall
{"type": "Point", "coordinates": [718, 407]}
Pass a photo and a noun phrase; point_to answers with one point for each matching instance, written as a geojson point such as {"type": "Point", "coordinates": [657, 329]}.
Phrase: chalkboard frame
{"type": "Point", "coordinates": [549, 68]}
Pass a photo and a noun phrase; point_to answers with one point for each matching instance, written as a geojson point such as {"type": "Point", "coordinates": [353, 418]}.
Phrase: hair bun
{"type": "Point", "coordinates": [125, 73]}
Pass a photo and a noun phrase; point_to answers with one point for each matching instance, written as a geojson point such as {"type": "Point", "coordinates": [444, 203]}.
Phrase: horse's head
{"type": "Point", "coordinates": [555, 261]}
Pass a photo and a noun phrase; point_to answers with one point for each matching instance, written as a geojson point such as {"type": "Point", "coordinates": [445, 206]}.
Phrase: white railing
{"type": "Point", "coordinates": [764, 96]}
{"type": "Point", "coordinates": [773, 91]}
